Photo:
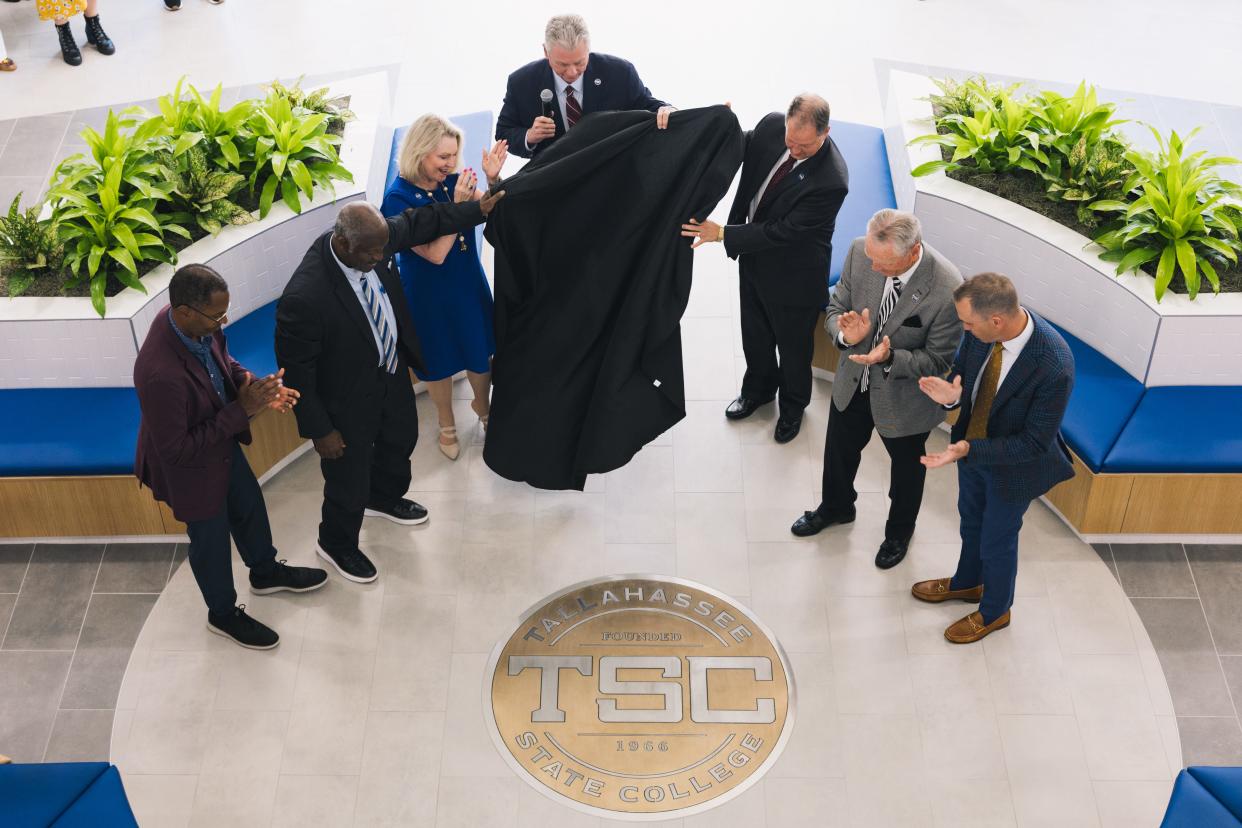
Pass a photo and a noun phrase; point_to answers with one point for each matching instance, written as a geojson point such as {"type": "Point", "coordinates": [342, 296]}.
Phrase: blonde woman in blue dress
{"type": "Point", "coordinates": [449, 298]}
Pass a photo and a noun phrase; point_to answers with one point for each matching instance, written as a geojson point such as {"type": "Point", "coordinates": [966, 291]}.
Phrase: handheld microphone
{"type": "Point", "coordinates": [549, 108]}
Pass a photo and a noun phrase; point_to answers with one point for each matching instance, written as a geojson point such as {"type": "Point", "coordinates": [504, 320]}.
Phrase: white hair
{"type": "Point", "coordinates": [566, 31]}
{"type": "Point", "coordinates": [897, 228]}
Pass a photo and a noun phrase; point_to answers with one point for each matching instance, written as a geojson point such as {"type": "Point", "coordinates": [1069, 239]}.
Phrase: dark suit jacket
{"type": "Point", "coordinates": [323, 337]}
{"type": "Point", "coordinates": [610, 83]}
{"type": "Point", "coordinates": [787, 248]}
{"type": "Point", "coordinates": [186, 435]}
{"type": "Point", "coordinates": [1024, 450]}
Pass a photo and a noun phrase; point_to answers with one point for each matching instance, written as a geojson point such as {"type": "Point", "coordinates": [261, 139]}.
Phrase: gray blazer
{"type": "Point", "coordinates": [923, 330]}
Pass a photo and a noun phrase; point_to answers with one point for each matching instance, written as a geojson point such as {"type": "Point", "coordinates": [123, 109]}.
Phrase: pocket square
{"type": "Point", "coordinates": [912, 322]}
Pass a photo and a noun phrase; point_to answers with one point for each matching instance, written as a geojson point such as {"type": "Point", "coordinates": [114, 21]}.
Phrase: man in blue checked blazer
{"type": "Point", "coordinates": [1012, 379]}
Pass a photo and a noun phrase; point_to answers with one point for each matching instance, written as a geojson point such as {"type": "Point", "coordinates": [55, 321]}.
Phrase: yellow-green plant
{"type": "Point", "coordinates": [29, 247]}
{"type": "Point", "coordinates": [290, 153]}
{"type": "Point", "coordinates": [1175, 213]}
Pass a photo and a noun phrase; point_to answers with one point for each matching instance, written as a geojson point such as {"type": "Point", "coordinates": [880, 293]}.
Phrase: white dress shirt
{"type": "Point", "coordinates": [1009, 355]}
{"type": "Point", "coordinates": [890, 284]}
{"type": "Point", "coordinates": [763, 188]}
{"type": "Point", "coordinates": [355, 278]}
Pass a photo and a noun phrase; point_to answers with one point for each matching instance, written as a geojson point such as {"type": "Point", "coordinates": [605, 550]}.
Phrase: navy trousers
{"type": "Point", "coordinates": [244, 518]}
{"type": "Point", "coordinates": [989, 529]}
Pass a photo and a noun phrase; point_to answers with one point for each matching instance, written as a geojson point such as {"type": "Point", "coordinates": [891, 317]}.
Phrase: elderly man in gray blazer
{"type": "Point", "coordinates": [892, 317]}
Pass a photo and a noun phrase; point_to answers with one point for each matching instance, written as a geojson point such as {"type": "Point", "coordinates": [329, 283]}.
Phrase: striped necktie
{"type": "Point", "coordinates": [388, 342]}
{"type": "Point", "coordinates": [892, 292]}
{"type": "Point", "coordinates": [573, 109]}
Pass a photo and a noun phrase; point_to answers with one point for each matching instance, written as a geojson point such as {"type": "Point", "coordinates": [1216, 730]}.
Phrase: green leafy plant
{"type": "Point", "coordinates": [315, 102]}
{"type": "Point", "coordinates": [105, 208]}
{"type": "Point", "coordinates": [1175, 215]}
{"type": "Point", "coordinates": [962, 97]}
{"type": "Point", "coordinates": [201, 192]}
{"type": "Point", "coordinates": [1091, 172]}
{"type": "Point", "coordinates": [995, 138]}
{"type": "Point", "coordinates": [190, 119]}
{"type": "Point", "coordinates": [290, 153]}
{"type": "Point", "coordinates": [29, 247]}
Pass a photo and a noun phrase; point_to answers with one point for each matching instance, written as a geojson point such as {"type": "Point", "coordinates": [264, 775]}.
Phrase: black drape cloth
{"type": "Point", "coordinates": [592, 277]}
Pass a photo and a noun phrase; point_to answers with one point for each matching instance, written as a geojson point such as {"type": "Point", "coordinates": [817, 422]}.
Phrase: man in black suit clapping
{"type": "Point", "coordinates": [793, 183]}
{"type": "Point", "coordinates": [547, 97]}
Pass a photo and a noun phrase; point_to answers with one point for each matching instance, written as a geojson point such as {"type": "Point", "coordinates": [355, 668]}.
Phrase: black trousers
{"type": "Point", "coordinates": [380, 429]}
{"type": "Point", "coordinates": [244, 517]}
{"type": "Point", "coordinates": [778, 341]}
{"type": "Point", "coordinates": [849, 431]}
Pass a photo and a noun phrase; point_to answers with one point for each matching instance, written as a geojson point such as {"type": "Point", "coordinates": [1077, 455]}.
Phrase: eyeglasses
{"type": "Point", "coordinates": [217, 319]}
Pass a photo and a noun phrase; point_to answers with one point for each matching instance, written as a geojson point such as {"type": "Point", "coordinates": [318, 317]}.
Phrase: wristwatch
{"type": "Point", "coordinates": [720, 235]}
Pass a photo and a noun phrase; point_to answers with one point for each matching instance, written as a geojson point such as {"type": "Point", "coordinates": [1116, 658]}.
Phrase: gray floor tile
{"type": "Point", "coordinates": [179, 556]}
{"type": "Point", "coordinates": [1154, 570]}
{"type": "Point", "coordinates": [1218, 573]}
{"type": "Point", "coordinates": [30, 685]}
{"type": "Point", "coordinates": [32, 148]}
{"type": "Point", "coordinates": [1232, 668]}
{"type": "Point", "coordinates": [135, 567]}
{"type": "Point", "coordinates": [1191, 667]}
{"type": "Point", "coordinates": [53, 600]}
{"type": "Point", "coordinates": [108, 635]}
{"type": "Point", "coordinates": [80, 736]}
{"type": "Point", "coordinates": [6, 129]}
{"type": "Point", "coordinates": [1106, 555]}
{"type": "Point", "coordinates": [14, 558]}
{"type": "Point", "coordinates": [1210, 741]}
{"type": "Point", "coordinates": [7, 601]}
{"type": "Point", "coordinates": [31, 188]}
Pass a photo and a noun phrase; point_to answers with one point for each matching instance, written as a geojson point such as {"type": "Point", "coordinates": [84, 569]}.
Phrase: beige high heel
{"type": "Point", "coordinates": [449, 450]}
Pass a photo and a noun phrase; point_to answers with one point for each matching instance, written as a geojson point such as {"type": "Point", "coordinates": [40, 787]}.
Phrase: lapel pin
{"type": "Point", "coordinates": [801, 176]}
{"type": "Point", "coordinates": [598, 82]}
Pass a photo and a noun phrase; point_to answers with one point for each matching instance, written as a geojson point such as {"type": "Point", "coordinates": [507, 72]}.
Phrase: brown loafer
{"type": "Point", "coordinates": [971, 628]}
{"type": "Point", "coordinates": [938, 590]}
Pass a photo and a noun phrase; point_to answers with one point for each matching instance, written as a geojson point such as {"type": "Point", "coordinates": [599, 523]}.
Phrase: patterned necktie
{"type": "Point", "coordinates": [573, 109]}
{"type": "Point", "coordinates": [388, 342]}
{"type": "Point", "coordinates": [886, 308]}
{"type": "Point", "coordinates": [781, 172]}
{"type": "Point", "coordinates": [977, 428]}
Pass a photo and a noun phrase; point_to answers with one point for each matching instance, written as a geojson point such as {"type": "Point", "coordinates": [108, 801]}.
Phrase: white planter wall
{"type": "Point", "coordinates": [1175, 342]}
{"type": "Point", "coordinates": [60, 342]}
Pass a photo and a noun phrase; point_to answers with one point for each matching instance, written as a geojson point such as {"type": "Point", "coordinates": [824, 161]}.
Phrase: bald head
{"type": "Point", "coordinates": [360, 235]}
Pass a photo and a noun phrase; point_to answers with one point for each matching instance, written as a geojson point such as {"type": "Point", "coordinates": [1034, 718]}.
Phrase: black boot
{"type": "Point", "coordinates": [97, 37]}
{"type": "Point", "coordinates": [68, 46]}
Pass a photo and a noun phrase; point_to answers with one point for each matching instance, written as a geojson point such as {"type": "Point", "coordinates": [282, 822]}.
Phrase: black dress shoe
{"type": "Point", "coordinates": [404, 511]}
{"type": "Point", "coordinates": [812, 523]}
{"type": "Point", "coordinates": [285, 578]}
{"type": "Point", "coordinates": [743, 407]}
{"type": "Point", "coordinates": [243, 629]}
{"type": "Point", "coordinates": [891, 553]}
{"type": "Point", "coordinates": [97, 37]}
{"type": "Point", "coordinates": [787, 429]}
{"type": "Point", "coordinates": [351, 563]}
{"type": "Point", "coordinates": [172, 5]}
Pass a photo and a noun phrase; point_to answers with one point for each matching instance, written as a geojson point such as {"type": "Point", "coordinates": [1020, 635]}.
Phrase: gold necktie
{"type": "Point", "coordinates": [977, 428]}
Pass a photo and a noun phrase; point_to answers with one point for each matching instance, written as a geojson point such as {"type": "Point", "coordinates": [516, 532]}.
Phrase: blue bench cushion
{"type": "Point", "coordinates": [1103, 399]}
{"type": "Point", "coordinates": [1182, 429]}
{"type": "Point", "coordinates": [64, 795]}
{"type": "Point", "coordinates": [1204, 796]}
{"type": "Point", "coordinates": [67, 431]}
{"type": "Point", "coordinates": [252, 340]}
{"type": "Point", "coordinates": [871, 187]}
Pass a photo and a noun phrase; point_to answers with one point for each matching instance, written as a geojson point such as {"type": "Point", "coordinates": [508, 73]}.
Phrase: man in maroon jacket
{"type": "Point", "coordinates": [196, 403]}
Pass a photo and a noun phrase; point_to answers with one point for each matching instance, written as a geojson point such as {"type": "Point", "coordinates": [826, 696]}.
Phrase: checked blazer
{"type": "Point", "coordinates": [1024, 449]}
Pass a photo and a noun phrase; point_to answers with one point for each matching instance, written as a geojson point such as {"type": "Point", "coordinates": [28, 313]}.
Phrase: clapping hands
{"type": "Point", "coordinates": [854, 326]}
{"type": "Point", "coordinates": [494, 160]}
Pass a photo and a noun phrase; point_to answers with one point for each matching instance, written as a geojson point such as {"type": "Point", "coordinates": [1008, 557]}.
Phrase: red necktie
{"type": "Point", "coordinates": [573, 109]}
{"type": "Point", "coordinates": [781, 172]}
